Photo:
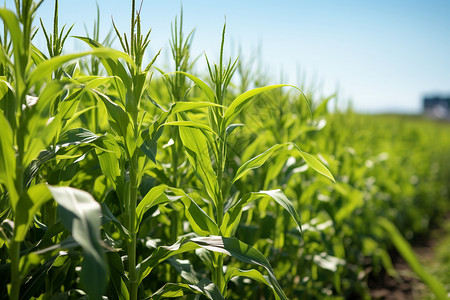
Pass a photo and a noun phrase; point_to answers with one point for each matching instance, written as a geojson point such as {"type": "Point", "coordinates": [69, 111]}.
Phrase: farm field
{"type": "Point", "coordinates": [123, 179]}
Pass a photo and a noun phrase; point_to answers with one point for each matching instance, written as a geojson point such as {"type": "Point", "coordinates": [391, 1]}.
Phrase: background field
{"type": "Point", "coordinates": [129, 178]}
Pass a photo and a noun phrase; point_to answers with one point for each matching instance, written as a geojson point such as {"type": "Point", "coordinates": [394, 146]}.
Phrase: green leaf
{"type": "Point", "coordinates": [117, 277]}
{"type": "Point", "coordinates": [4, 87]}
{"type": "Point", "coordinates": [109, 159]}
{"type": "Point", "coordinates": [161, 254]}
{"type": "Point", "coordinates": [315, 164]}
{"type": "Point", "coordinates": [197, 152]}
{"type": "Point", "coordinates": [252, 274]}
{"type": "Point", "coordinates": [76, 136]}
{"type": "Point", "coordinates": [45, 69]}
{"type": "Point", "coordinates": [41, 128]}
{"type": "Point", "coordinates": [191, 125]}
{"type": "Point", "coordinates": [149, 137]}
{"type": "Point", "coordinates": [107, 216]}
{"type": "Point", "coordinates": [29, 203]}
{"type": "Point", "coordinates": [204, 287]}
{"type": "Point", "coordinates": [242, 100]}
{"type": "Point", "coordinates": [229, 246]}
{"type": "Point", "coordinates": [260, 159]}
{"type": "Point", "coordinates": [20, 60]}
{"type": "Point", "coordinates": [407, 253]}
{"type": "Point", "coordinates": [154, 197]}
{"type": "Point", "coordinates": [323, 106]}
{"type": "Point", "coordinates": [200, 222]}
{"type": "Point", "coordinates": [8, 160]}
{"type": "Point", "coordinates": [185, 269]}
{"type": "Point", "coordinates": [233, 215]}
{"type": "Point", "coordinates": [113, 66]}
{"type": "Point", "coordinates": [256, 162]}
{"type": "Point", "coordinates": [119, 122]}
{"type": "Point", "coordinates": [202, 85]}
{"type": "Point", "coordinates": [81, 215]}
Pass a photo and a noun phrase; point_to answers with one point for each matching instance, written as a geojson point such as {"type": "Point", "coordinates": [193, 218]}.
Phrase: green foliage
{"type": "Point", "coordinates": [118, 183]}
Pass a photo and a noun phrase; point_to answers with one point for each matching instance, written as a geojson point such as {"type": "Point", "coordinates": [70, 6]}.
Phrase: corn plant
{"type": "Point", "coordinates": [32, 125]}
{"type": "Point", "coordinates": [117, 182]}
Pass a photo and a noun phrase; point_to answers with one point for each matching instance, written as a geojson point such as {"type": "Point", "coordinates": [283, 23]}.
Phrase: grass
{"type": "Point", "coordinates": [124, 180]}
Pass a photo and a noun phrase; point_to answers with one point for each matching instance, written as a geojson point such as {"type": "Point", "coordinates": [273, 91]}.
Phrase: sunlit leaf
{"type": "Point", "coordinates": [29, 203]}
{"type": "Point", "coordinates": [81, 215]}
{"type": "Point", "coordinates": [407, 253]}
{"type": "Point", "coordinates": [242, 100]}
{"type": "Point", "coordinates": [8, 160]}
{"type": "Point", "coordinates": [204, 287]}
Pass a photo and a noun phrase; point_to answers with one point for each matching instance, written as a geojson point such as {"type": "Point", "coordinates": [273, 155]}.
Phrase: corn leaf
{"type": "Point", "coordinates": [46, 68]}
{"type": "Point", "coordinates": [81, 215]}
{"type": "Point", "coordinates": [8, 160]}
{"type": "Point", "coordinates": [199, 220]}
{"type": "Point", "coordinates": [242, 100]}
{"type": "Point", "coordinates": [204, 287]}
{"type": "Point", "coordinates": [120, 122]}
{"type": "Point", "coordinates": [154, 197]}
{"type": "Point", "coordinates": [252, 274]}
{"type": "Point", "coordinates": [113, 66]}
{"type": "Point", "coordinates": [233, 215]}
{"type": "Point", "coordinates": [191, 125]}
{"type": "Point", "coordinates": [202, 85]}
{"type": "Point", "coordinates": [109, 159]}
{"type": "Point", "coordinates": [76, 136]}
{"type": "Point", "coordinates": [28, 205]}
{"type": "Point", "coordinates": [260, 159]}
{"type": "Point", "coordinates": [229, 246]}
{"type": "Point", "coordinates": [197, 152]}
{"type": "Point", "coordinates": [149, 137]}
{"type": "Point", "coordinates": [315, 164]}
{"type": "Point", "coordinates": [407, 253]}
{"type": "Point", "coordinates": [20, 60]}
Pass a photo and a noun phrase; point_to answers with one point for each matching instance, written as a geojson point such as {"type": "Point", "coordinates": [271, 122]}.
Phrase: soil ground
{"type": "Point", "coordinates": [409, 286]}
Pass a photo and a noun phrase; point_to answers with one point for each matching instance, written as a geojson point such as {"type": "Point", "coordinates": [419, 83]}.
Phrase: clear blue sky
{"type": "Point", "coordinates": [384, 55]}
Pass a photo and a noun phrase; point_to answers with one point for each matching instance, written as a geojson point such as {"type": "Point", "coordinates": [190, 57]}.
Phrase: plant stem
{"type": "Point", "coordinates": [16, 278]}
{"type": "Point", "coordinates": [132, 227]}
{"type": "Point", "coordinates": [14, 253]}
{"type": "Point", "coordinates": [219, 276]}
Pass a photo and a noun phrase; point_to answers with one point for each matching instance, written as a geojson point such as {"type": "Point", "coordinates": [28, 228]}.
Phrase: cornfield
{"type": "Point", "coordinates": [122, 180]}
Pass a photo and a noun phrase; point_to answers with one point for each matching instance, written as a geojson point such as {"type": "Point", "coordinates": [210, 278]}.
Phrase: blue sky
{"type": "Point", "coordinates": [382, 55]}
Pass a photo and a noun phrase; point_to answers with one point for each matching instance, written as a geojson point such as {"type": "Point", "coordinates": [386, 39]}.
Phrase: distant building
{"type": "Point", "coordinates": [437, 107]}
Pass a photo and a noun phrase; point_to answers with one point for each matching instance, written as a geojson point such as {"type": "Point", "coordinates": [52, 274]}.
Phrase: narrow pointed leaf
{"type": "Point", "coordinates": [260, 159]}
{"type": "Point", "coordinates": [200, 222]}
{"type": "Point", "coordinates": [150, 137]}
{"type": "Point", "coordinates": [154, 197]}
{"type": "Point", "coordinates": [76, 136]}
{"type": "Point", "coordinates": [233, 215]}
{"type": "Point", "coordinates": [315, 164]}
{"type": "Point", "coordinates": [81, 215]}
{"type": "Point", "coordinates": [46, 68]}
{"type": "Point", "coordinates": [197, 152]}
{"type": "Point", "coordinates": [242, 100]}
{"type": "Point", "coordinates": [229, 246]}
{"type": "Point", "coordinates": [28, 205]}
{"type": "Point", "coordinates": [8, 160]}
{"type": "Point", "coordinates": [256, 162]}
{"type": "Point", "coordinates": [204, 287]}
{"type": "Point", "coordinates": [407, 253]}
{"type": "Point", "coordinates": [202, 85]}
{"type": "Point", "coordinates": [252, 274]}
{"type": "Point", "coordinates": [191, 125]}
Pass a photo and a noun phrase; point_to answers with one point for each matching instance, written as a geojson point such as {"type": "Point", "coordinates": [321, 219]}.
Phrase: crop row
{"type": "Point", "coordinates": [122, 180]}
